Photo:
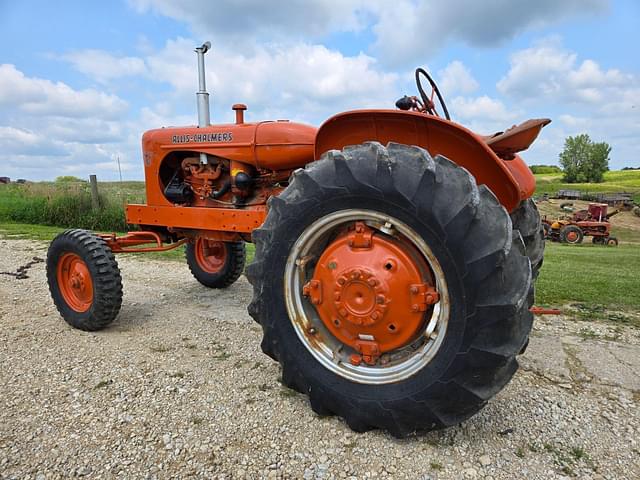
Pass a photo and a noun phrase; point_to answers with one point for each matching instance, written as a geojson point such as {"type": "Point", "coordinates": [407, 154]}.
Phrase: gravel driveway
{"type": "Point", "coordinates": [178, 387]}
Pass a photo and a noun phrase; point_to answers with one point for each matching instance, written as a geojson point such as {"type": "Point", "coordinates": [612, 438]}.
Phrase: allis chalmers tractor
{"type": "Point", "coordinates": [395, 251]}
{"type": "Point", "coordinates": [593, 222]}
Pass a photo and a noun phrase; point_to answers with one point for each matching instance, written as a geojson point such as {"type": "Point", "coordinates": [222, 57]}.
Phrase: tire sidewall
{"type": "Point", "coordinates": [60, 246]}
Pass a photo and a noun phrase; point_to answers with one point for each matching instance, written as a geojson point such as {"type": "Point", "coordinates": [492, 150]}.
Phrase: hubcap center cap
{"type": "Point", "coordinates": [370, 291]}
{"type": "Point", "coordinates": [355, 293]}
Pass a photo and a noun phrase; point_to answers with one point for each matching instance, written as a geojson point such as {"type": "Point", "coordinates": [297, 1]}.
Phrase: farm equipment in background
{"type": "Point", "coordinates": [395, 251]}
{"type": "Point", "coordinates": [593, 222]}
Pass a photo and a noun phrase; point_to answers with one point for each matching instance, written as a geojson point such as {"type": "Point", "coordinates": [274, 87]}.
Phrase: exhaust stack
{"type": "Point", "coordinates": [202, 95]}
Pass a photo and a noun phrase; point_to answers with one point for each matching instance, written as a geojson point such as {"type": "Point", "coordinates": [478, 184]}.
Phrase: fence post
{"type": "Point", "coordinates": [95, 199]}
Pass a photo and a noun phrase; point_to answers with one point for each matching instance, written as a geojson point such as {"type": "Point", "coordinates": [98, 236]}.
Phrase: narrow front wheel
{"type": "Point", "coordinates": [215, 264]}
{"type": "Point", "coordinates": [84, 280]}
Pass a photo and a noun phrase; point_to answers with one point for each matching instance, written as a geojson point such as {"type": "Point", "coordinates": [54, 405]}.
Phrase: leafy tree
{"type": "Point", "coordinates": [583, 160]}
{"type": "Point", "coordinates": [69, 179]}
{"type": "Point", "coordinates": [545, 169]}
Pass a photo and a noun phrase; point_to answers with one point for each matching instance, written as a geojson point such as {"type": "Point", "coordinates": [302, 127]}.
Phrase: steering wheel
{"type": "Point", "coordinates": [429, 106]}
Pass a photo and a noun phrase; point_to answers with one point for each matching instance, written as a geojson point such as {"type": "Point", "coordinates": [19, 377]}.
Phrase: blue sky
{"type": "Point", "coordinates": [81, 81]}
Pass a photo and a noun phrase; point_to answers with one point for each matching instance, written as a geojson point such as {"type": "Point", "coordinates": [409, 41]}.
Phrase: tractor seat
{"type": "Point", "coordinates": [515, 139]}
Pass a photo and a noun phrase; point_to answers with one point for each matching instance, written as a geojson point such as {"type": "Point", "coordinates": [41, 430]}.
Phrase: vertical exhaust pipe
{"type": "Point", "coordinates": [202, 95]}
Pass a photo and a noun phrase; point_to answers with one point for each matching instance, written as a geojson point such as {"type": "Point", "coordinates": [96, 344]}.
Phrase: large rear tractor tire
{"type": "Point", "coordinates": [84, 280]}
{"type": "Point", "coordinates": [391, 288]}
{"type": "Point", "coordinates": [571, 234]}
{"type": "Point", "coordinates": [215, 264]}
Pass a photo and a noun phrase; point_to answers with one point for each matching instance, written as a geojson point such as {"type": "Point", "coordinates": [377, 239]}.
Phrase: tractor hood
{"type": "Point", "coordinates": [272, 145]}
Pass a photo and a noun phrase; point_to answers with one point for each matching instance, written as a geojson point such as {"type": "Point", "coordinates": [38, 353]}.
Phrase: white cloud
{"type": "Point", "coordinates": [241, 23]}
{"type": "Point", "coordinates": [303, 81]}
{"type": "Point", "coordinates": [409, 30]}
{"type": "Point", "coordinates": [19, 141]}
{"type": "Point", "coordinates": [588, 99]}
{"type": "Point", "coordinates": [547, 70]}
{"type": "Point", "coordinates": [48, 126]}
{"type": "Point", "coordinates": [483, 114]}
{"type": "Point", "coordinates": [103, 66]}
{"type": "Point", "coordinates": [37, 96]}
{"type": "Point", "coordinates": [456, 78]}
{"type": "Point", "coordinates": [406, 31]}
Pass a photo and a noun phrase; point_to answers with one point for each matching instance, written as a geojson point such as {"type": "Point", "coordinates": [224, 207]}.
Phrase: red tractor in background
{"type": "Point", "coordinates": [395, 251]}
{"type": "Point", "coordinates": [593, 222]}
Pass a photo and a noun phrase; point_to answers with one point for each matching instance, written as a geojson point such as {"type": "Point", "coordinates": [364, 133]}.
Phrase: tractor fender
{"type": "Point", "coordinates": [510, 180]}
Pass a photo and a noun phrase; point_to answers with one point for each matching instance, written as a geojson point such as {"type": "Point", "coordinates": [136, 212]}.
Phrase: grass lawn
{"type": "Point", "coordinates": [594, 275]}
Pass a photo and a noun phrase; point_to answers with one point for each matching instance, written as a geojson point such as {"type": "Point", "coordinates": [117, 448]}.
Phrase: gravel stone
{"type": "Point", "coordinates": [177, 387]}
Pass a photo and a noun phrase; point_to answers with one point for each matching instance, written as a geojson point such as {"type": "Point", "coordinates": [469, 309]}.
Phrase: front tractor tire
{"type": "Point", "coordinates": [84, 280]}
{"type": "Point", "coordinates": [392, 290]}
{"type": "Point", "coordinates": [215, 264]}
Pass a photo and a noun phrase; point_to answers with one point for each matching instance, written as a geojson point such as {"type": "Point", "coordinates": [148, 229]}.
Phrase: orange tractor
{"type": "Point", "coordinates": [593, 222]}
{"type": "Point", "coordinates": [395, 251]}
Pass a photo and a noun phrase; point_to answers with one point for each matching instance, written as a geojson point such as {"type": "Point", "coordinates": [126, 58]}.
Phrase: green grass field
{"type": "Point", "coordinates": [594, 275]}
{"type": "Point", "coordinates": [616, 181]}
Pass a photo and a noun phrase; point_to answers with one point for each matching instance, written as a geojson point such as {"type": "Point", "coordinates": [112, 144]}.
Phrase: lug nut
{"type": "Point", "coordinates": [355, 359]}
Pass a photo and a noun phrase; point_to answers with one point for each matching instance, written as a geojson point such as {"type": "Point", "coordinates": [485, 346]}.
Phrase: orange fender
{"type": "Point", "coordinates": [510, 180]}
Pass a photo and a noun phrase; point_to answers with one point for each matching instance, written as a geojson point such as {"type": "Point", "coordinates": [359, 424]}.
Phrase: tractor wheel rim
{"type": "Point", "coordinates": [211, 255]}
{"type": "Point", "coordinates": [572, 237]}
{"type": "Point", "coordinates": [316, 329]}
{"type": "Point", "coordinates": [74, 281]}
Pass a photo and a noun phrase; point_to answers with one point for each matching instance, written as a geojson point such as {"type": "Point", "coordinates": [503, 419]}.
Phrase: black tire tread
{"type": "Point", "coordinates": [526, 219]}
{"type": "Point", "coordinates": [487, 251]}
{"type": "Point", "coordinates": [105, 275]}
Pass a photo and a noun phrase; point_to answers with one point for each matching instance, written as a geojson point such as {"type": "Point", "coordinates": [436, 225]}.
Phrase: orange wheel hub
{"type": "Point", "coordinates": [572, 236]}
{"type": "Point", "coordinates": [369, 291]}
{"type": "Point", "coordinates": [211, 255]}
{"type": "Point", "coordinates": [74, 281]}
